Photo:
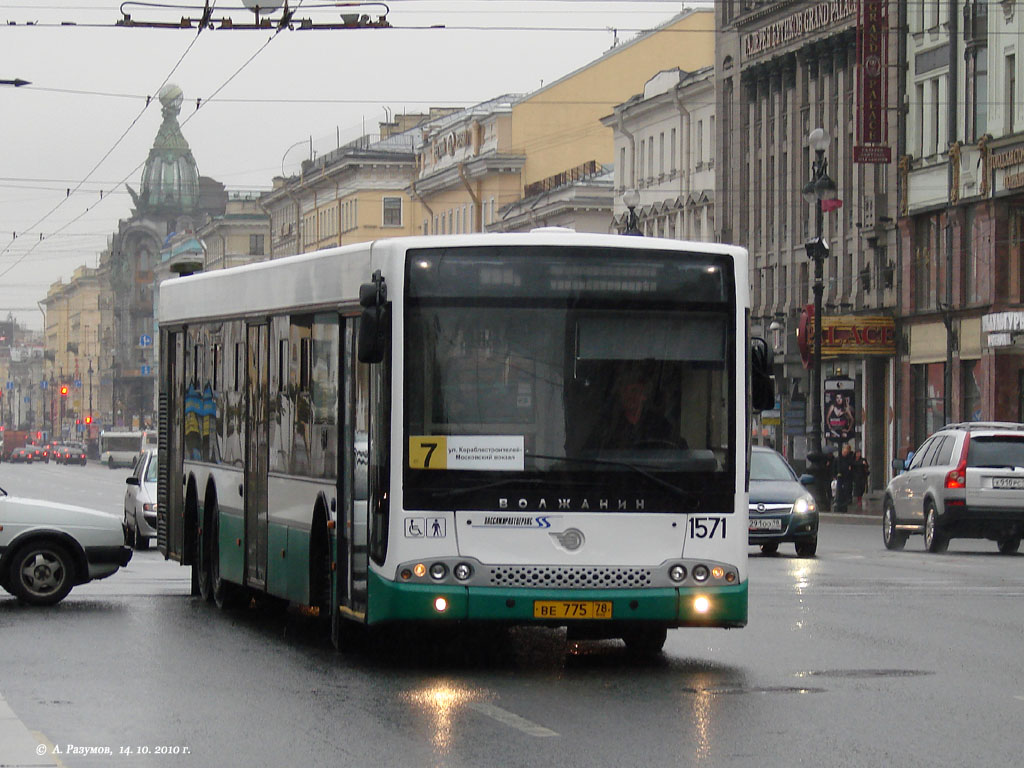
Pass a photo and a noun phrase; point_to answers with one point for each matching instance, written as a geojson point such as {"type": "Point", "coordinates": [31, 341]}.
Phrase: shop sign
{"type": "Point", "coordinates": [1002, 321]}
{"type": "Point", "coordinates": [1009, 163]}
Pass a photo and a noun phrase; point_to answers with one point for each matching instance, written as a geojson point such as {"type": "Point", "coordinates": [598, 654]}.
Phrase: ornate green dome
{"type": "Point", "coordinates": [170, 180]}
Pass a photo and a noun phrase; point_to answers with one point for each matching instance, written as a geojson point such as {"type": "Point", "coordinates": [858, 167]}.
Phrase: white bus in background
{"type": "Point", "coordinates": [420, 430]}
{"type": "Point", "coordinates": [120, 448]}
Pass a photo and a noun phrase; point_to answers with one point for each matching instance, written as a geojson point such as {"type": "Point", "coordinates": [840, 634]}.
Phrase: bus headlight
{"type": "Point", "coordinates": [803, 505]}
{"type": "Point", "coordinates": [440, 604]}
{"type": "Point", "coordinates": [677, 573]}
{"type": "Point", "coordinates": [701, 604]}
{"type": "Point", "coordinates": [700, 573]}
{"type": "Point", "coordinates": [462, 571]}
{"type": "Point", "coordinates": [438, 571]}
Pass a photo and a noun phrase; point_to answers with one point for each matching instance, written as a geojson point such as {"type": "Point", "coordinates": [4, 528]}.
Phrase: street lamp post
{"type": "Point", "coordinates": [50, 391]}
{"type": "Point", "coordinates": [88, 423]}
{"type": "Point", "coordinates": [631, 198]}
{"type": "Point", "coordinates": [815, 191]}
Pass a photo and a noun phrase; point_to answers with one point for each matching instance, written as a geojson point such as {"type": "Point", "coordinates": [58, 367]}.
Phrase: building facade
{"type": "Point", "coordinates": [665, 150]}
{"type": "Point", "coordinates": [355, 193]}
{"type": "Point", "coordinates": [962, 217]}
{"type": "Point", "coordinates": [238, 236]}
{"type": "Point", "coordinates": [74, 355]}
{"type": "Point", "coordinates": [783, 69]}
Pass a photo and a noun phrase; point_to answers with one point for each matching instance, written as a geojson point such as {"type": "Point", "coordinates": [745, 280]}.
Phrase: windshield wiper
{"type": "Point", "coordinates": [681, 492]}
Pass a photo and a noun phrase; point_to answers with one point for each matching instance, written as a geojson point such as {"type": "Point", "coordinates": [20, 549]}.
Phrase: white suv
{"type": "Point", "coordinates": [965, 481]}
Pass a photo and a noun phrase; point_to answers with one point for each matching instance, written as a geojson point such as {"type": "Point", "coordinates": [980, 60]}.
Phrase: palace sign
{"type": "Point", "coordinates": [853, 335]}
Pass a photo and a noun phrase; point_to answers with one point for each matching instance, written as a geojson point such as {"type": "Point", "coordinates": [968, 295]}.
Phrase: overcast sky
{"type": "Point", "coordinates": [83, 123]}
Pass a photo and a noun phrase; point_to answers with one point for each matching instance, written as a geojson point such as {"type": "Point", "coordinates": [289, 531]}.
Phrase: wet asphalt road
{"type": "Point", "coordinates": [858, 657]}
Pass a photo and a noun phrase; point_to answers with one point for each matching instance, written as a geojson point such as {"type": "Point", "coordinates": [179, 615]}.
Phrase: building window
{"type": "Point", "coordinates": [1010, 99]}
{"type": "Point", "coordinates": [256, 245]}
{"type": "Point", "coordinates": [392, 211]}
{"type": "Point", "coordinates": [672, 151]}
{"type": "Point", "coordinates": [700, 143]}
{"type": "Point", "coordinates": [970, 392]}
{"type": "Point", "coordinates": [661, 154]}
{"type": "Point", "coordinates": [919, 109]}
{"type": "Point", "coordinates": [980, 106]}
{"type": "Point", "coordinates": [928, 384]}
{"type": "Point", "coordinates": [621, 171]}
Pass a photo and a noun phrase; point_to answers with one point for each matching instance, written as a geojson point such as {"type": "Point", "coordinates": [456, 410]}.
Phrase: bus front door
{"type": "Point", "coordinates": [257, 458]}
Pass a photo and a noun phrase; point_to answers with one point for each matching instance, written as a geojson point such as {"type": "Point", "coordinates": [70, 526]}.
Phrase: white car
{"type": "Point", "coordinates": [140, 502]}
{"type": "Point", "coordinates": [46, 548]}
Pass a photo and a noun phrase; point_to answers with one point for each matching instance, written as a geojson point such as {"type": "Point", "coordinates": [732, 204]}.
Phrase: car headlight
{"type": "Point", "coordinates": [803, 505]}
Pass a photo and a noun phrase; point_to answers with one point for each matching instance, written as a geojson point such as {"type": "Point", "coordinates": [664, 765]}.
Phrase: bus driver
{"type": "Point", "coordinates": [635, 420]}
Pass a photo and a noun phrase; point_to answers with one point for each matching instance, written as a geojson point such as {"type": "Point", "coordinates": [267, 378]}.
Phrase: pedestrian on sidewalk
{"type": "Point", "coordinates": [844, 479]}
{"type": "Point", "coordinates": [861, 470]}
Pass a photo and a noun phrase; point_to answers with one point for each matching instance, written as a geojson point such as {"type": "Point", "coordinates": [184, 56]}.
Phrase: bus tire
{"type": "Point", "coordinates": [320, 563]}
{"type": "Point", "coordinates": [226, 595]}
{"type": "Point", "coordinates": [645, 641]}
{"type": "Point", "coordinates": [201, 562]}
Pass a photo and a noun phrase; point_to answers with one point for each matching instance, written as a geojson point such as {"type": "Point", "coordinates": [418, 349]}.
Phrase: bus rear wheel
{"type": "Point", "coordinates": [225, 594]}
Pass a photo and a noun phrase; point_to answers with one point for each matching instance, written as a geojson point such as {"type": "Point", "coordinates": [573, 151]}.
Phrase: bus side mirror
{"type": "Point", "coordinates": [762, 382]}
{"type": "Point", "coordinates": [373, 324]}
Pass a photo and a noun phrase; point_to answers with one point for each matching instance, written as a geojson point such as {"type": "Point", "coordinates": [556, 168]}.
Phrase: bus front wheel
{"type": "Point", "coordinates": [645, 641]}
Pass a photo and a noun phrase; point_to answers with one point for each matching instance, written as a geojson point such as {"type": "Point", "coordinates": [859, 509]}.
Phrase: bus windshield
{"type": "Point", "coordinates": [545, 371]}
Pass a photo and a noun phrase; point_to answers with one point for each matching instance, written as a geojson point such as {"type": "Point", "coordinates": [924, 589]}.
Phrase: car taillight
{"type": "Point", "coordinates": [957, 478]}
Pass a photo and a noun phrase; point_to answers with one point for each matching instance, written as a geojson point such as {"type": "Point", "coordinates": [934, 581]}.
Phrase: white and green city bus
{"type": "Point", "coordinates": [437, 429]}
{"type": "Point", "coordinates": [120, 447]}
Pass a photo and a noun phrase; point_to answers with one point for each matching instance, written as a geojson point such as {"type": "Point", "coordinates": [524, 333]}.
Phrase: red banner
{"type": "Point", "coordinates": [872, 77]}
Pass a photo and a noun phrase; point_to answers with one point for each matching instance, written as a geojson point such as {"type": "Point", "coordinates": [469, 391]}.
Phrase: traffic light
{"type": "Point", "coordinates": [88, 419]}
{"type": "Point", "coordinates": [63, 390]}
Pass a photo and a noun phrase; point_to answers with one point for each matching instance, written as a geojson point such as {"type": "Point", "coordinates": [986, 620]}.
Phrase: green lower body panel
{"type": "Point", "coordinates": [392, 601]}
{"type": "Point", "coordinates": [232, 555]}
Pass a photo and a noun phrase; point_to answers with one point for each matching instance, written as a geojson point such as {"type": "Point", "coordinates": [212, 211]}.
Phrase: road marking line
{"type": "Point", "coordinates": [511, 719]}
{"type": "Point", "coordinates": [50, 746]}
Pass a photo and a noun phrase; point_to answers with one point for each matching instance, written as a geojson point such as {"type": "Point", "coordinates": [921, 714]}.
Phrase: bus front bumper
{"type": "Point", "coordinates": [723, 606]}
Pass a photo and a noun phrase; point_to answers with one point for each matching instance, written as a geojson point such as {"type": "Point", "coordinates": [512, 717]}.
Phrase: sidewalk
{"type": "Point", "coordinates": [19, 748]}
{"type": "Point", "coordinates": [869, 512]}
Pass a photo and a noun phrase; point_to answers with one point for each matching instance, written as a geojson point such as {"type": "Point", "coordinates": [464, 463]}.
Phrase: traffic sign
{"type": "Point", "coordinates": [10, 385]}
{"type": "Point", "coordinates": [145, 340]}
{"type": "Point", "coordinates": [78, 383]}
{"type": "Point", "coordinates": [145, 370]}
{"type": "Point", "coordinates": [44, 384]}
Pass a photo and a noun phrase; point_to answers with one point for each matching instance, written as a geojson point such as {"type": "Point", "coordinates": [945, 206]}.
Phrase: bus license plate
{"type": "Point", "coordinates": [572, 609]}
{"type": "Point", "coordinates": [765, 524]}
{"type": "Point", "coordinates": [1008, 482]}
